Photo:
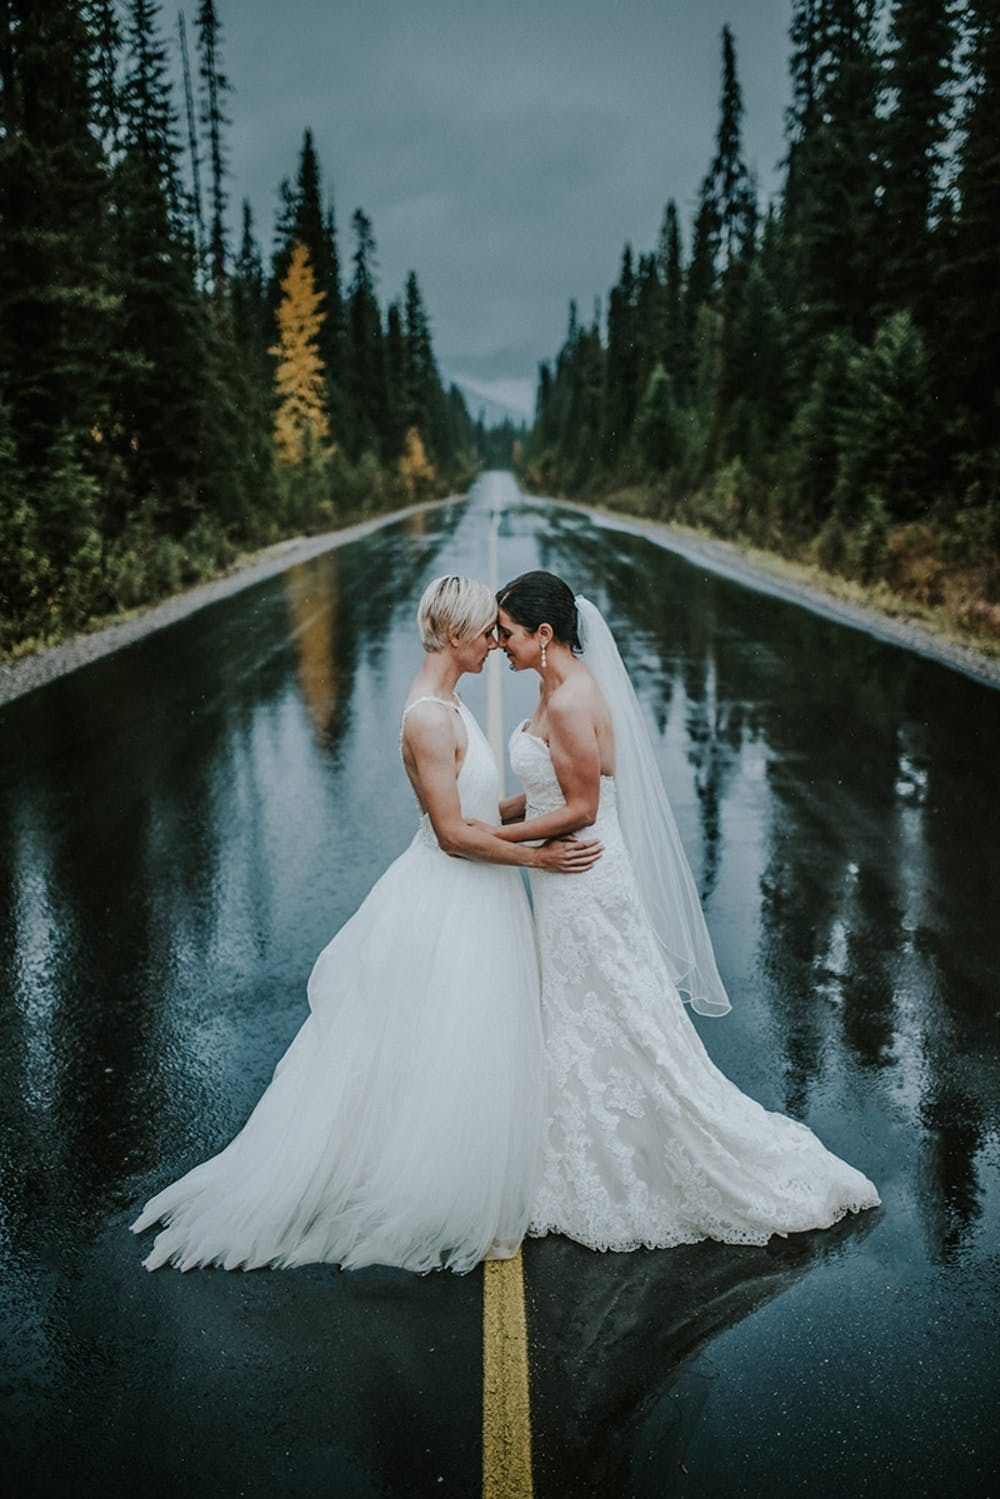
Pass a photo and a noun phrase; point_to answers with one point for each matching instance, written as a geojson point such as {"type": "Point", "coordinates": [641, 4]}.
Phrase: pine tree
{"type": "Point", "coordinates": [542, 431]}
{"type": "Point", "coordinates": [729, 176]}
{"type": "Point", "coordinates": [308, 223]}
{"type": "Point", "coordinates": [461, 439]}
{"type": "Point", "coordinates": [622, 365]}
{"type": "Point", "coordinates": [299, 380]}
{"type": "Point", "coordinates": [251, 374]}
{"type": "Point", "coordinates": [66, 527]}
{"type": "Point", "coordinates": [656, 424]}
{"type": "Point", "coordinates": [215, 86]}
{"type": "Point", "coordinates": [885, 442]}
{"type": "Point", "coordinates": [334, 348]}
{"type": "Point", "coordinates": [973, 276]}
{"type": "Point", "coordinates": [701, 282]}
{"type": "Point", "coordinates": [813, 445]}
{"type": "Point", "coordinates": [397, 380]}
{"type": "Point", "coordinates": [920, 72]}
{"type": "Point", "coordinates": [832, 188]}
{"type": "Point", "coordinates": [576, 415]}
{"type": "Point", "coordinates": [672, 351]}
{"type": "Point", "coordinates": [25, 570]}
{"type": "Point", "coordinates": [734, 196]}
{"type": "Point", "coordinates": [425, 396]}
{"type": "Point", "coordinates": [650, 320]}
{"type": "Point", "coordinates": [247, 291]}
{"type": "Point", "coordinates": [194, 149]}
{"type": "Point", "coordinates": [367, 351]}
{"type": "Point", "coordinates": [151, 124]}
{"type": "Point", "coordinates": [286, 215]}
{"type": "Point", "coordinates": [55, 301]}
{"type": "Point", "coordinates": [157, 423]}
{"type": "Point", "coordinates": [105, 31]}
{"type": "Point", "coordinates": [589, 376]}
{"type": "Point", "coordinates": [755, 355]}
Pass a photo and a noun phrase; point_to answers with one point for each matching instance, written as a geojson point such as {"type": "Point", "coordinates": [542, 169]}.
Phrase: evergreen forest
{"type": "Point", "coordinates": [171, 395]}
{"type": "Point", "coordinates": [818, 376]}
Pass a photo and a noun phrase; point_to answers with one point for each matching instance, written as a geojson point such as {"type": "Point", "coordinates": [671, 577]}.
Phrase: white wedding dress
{"type": "Point", "coordinates": [402, 1125]}
{"type": "Point", "coordinates": [647, 1143]}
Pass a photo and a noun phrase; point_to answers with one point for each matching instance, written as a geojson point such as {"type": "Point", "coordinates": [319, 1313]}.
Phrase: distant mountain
{"type": "Point", "coordinates": [498, 400]}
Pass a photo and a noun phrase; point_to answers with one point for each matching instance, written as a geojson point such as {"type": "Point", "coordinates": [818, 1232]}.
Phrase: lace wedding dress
{"type": "Point", "coordinates": [402, 1126]}
{"type": "Point", "coordinates": [647, 1143]}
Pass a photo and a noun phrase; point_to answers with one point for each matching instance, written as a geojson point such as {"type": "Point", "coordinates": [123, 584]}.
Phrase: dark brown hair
{"type": "Point", "coordinates": [540, 598]}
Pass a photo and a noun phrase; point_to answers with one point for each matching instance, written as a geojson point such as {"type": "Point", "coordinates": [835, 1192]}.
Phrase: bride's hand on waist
{"type": "Point", "coordinates": [569, 855]}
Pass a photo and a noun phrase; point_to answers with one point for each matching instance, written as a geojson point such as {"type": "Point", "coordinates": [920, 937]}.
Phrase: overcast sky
{"type": "Point", "coordinates": [504, 152]}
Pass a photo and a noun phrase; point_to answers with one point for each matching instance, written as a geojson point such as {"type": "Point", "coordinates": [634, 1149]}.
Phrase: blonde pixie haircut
{"type": "Point", "coordinates": [454, 606]}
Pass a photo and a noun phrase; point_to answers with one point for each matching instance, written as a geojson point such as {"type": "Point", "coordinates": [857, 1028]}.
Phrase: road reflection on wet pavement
{"type": "Point", "coordinates": [185, 825]}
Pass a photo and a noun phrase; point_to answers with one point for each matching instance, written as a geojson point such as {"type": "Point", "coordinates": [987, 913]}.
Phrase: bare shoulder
{"type": "Point", "coordinates": [431, 726]}
{"type": "Point", "coordinates": [577, 703]}
{"type": "Point", "coordinates": [428, 715]}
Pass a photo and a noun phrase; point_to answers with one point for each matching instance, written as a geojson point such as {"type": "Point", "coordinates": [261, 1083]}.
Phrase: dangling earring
{"type": "Point", "coordinates": [543, 655]}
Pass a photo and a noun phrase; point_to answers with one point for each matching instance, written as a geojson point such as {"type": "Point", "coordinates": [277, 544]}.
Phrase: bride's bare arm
{"type": "Point", "coordinates": [576, 760]}
{"type": "Point", "coordinates": [512, 808]}
{"type": "Point", "coordinates": [431, 740]}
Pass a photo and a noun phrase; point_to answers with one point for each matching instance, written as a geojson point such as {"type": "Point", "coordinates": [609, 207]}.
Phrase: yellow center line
{"type": "Point", "coordinates": [506, 1397]}
{"type": "Point", "coordinates": [506, 1400]}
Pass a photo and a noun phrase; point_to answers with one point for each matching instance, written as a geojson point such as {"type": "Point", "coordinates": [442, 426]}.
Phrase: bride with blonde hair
{"type": "Point", "coordinates": [403, 1124]}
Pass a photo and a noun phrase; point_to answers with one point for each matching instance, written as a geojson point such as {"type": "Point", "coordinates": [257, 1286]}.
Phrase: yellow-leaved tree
{"type": "Point", "coordinates": [415, 468]}
{"type": "Point", "coordinates": [301, 423]}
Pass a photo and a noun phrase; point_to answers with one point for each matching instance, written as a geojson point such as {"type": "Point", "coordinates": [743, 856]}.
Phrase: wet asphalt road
{"type": "Point", "coordinates": [186, 823]}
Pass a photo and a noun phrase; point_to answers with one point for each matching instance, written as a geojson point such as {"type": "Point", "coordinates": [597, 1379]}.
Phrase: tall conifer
{"type": "Point", "coordinates": [214, 87]}
{"type": "Point", "coordinates": [55, 304]}
{"type": "Point", "coordinates": [366, 343]}
{"type": "Point", "coordinates": [974, 272]}
{"type": "Point", "coordinates": [159, 389]}
{"type": "Point", "coordinates": [672, 352]}
{"type": "Point", "coordinates": [424, 383]}
{"type": "Point", "coordinates": [832, 192]}
{"type": "Point", "coordinates": [920, 73]}
{"type": "Point", "coordinates": [622, 365]}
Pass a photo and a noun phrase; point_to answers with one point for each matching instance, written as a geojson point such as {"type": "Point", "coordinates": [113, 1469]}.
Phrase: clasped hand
{"type": "Point", "coordinates": [565, 854]}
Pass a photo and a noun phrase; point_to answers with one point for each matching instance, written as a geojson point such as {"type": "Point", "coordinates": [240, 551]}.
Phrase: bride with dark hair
{"type": "Point", "coordinates": [646, 1142]}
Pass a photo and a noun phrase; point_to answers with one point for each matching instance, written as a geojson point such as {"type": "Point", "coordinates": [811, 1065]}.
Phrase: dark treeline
{"type": "Point", "coordinates": [166, 396]}
{"type": "Point", "coordinates": [503, 445]}
{"type": "Point", "coordinates": [822, 378]}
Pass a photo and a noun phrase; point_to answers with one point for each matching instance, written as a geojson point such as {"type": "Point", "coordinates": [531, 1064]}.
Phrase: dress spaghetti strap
{"type": "Point", "coordinates": [429, 697]}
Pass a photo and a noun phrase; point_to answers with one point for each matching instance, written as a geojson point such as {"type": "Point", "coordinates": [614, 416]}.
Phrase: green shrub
{"type": "Point", "coordinates": [832, 545]}
{"type": "Point", "coordinates": [872, 540]}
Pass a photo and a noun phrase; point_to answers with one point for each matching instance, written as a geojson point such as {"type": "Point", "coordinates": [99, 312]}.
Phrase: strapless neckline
{"type": "Point", "coordinates": [522, 728]}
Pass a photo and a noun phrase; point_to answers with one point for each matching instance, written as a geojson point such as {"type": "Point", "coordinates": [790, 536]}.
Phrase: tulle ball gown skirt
{"type": "Point", "coordinates": [403, 1124]}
